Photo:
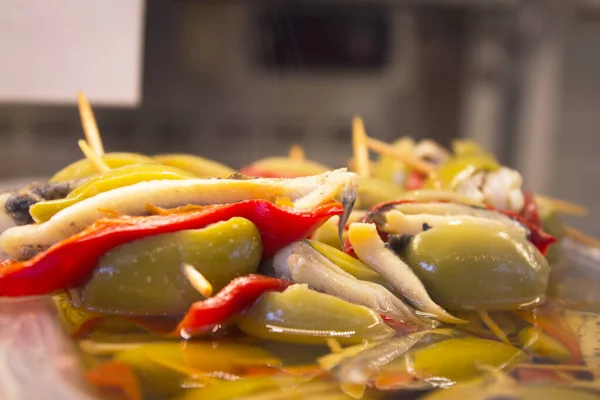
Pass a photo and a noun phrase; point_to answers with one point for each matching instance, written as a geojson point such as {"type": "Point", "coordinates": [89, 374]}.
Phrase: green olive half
{"type": "Point", "coordinates": [467, 265]}
{"type": "Point", "coordinates": [144, 277]}
{"type": "Point", "coordinates": [302, 315]}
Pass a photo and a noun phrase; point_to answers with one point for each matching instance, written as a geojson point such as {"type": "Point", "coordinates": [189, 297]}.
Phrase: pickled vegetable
{"type": "Point", "coordinates": [84, 168]}
{"type": "Point", "coordinates": [328, 233]}
{"type": "Point", "coordinates": [390, 169]}
{"type": "Point", "coordinates": [372, 191]}
{"type": "Point", "coordinates": [536, 391]}
{"type": "Point", "coordinates": [453, 171]}
{"type": "Point", "coordinates": [199, 166]}
{"type": "Point", "coordinates": [466, 148]}
{"type": "Point", "coordinates": [162, 367]}
{"type": "Point", "coordinates": [283, 167]}
{"type": "Point", "coordinates": [467, 266]}
{"type": "Point", "coordinates": [462, 359]}
{"type": "Point", "coordinates": [371, 249]}
{"type": "Point", "coordinates": [229, 390]}
{"type": "Point", "coordinates": [144, 277]}
{"type": "Point", "coordinates": [301, 315]}
{"type": "Point", "coordinates": [540, 344]}
{"type": "Point", "coordinates": [351, 265]}
{"type": "Point", "coordinates": [301, 263]}
{"type": "Point", "coordinates": [118, 177]}
{"type": "Point", "coordinates": [306, 193]}
{"type": "Point", "coordinates": [431, 195]}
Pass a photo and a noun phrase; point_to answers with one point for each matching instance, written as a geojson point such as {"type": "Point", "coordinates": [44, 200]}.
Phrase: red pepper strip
{"type": "Point", "coordinates": [530, 211]}
{"type": "Point", "coordinates": [251, 170]}
{"type": "Point", "coordinates": [401, 327]}
{"type": "Point", "coordinates": [69, 263]}
{"type": "Point", "coordinates": [393, 380]}
{"type": "Point", "coordinates": [238, 295]}
{"type": "Point", "coordinates": [116, 375]}
{"type": "Point", "coordinates": [533, 375]}
{"type": "Point", "coordinates": [414, 181]}
{"type": "Point", "coordinates": [548, 320]}
{"type": "Point", "coordinates": [537, 237]}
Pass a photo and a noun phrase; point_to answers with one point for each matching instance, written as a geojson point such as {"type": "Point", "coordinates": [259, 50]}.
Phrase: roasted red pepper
{"type": "Point", "coordinates": [252, 170]}
{"type": "Point", "coordinates": [238, 295]}
{"type": "Point", "coordinates": [530, 210]}
{"type": "Point", "coordinates": [414, 181]}
{"type": "Point", "coordinates": [70, 262]}
{"type": "Point", "coordinates": [537, 237]}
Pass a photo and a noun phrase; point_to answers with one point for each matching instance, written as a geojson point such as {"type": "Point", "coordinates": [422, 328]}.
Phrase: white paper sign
{"type": "Point", "coordinates": [50, 49]}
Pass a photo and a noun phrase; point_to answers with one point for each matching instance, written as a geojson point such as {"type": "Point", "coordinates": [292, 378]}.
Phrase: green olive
{"type": "Point", "coordinates": [115, 178]}
{"type": "Point", "coordinates": [468, 265]}
{"type": "Point", "coordinates": [199, 166]}
{"type": "Point", "coordinates": [389, 168]}
{"type": "Point", "coordinates": [462, 359]}
{"type": "Point", "coordinates": [456, 167]}
{"type": "Point", "coordinates": [301, 315]}
{"type": "Point", "coordinates": [84, 168]}
{"type": "Point", "coordinates": [373, 191]}
{"type": "Point", "coordinates": [328, 233]}
{"type": "Point", "coordinates": [144, 277]}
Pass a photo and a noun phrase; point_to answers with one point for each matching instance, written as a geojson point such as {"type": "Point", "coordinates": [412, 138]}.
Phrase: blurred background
{"type": "Point", "coordinates": [240, 80]}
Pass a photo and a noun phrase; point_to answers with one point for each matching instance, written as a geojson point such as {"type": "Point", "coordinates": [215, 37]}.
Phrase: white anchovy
{"type": "Point", "coordinates": [371, 250]}
{"type": "Point", "coordinates": [301, 263]}
{"type": "Point", "coordinates": [305, 193]}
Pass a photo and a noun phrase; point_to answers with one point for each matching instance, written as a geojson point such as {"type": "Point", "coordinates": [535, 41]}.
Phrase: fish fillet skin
{"type": "Point", "coordinates": [305, 193]}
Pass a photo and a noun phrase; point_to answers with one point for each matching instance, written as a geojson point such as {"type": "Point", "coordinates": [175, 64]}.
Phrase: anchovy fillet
{"type": "Point", "coordinates": [305, 193]}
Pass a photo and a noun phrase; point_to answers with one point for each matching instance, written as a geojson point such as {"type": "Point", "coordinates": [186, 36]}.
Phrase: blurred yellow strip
{"type": "Point", "coordinates": [93, 157]}
{"type": "Point", "coordinates": [562, 206]}
{"type": "Point", "coordinates": [554, 367]}
{"type": "Point", "coordinates": [581, 237]}
{"type": "Point", "coordinates": [359, 147]}
{"type": "Point", "coordinates": [296, 153]}
{"type": "Point", "coordinates": [197, 280]}
{"type": "Point", "coordinates": [496, 330]}
{"type": "Point", "coordinates": [410, 160]}
{"type": "Point", "coordinates": [90, 127]}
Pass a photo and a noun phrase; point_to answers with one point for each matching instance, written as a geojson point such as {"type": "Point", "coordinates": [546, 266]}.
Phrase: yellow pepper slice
{"type": "Point", "coordinates": [199, 166]}
{"type": "Point", "coordinates": [84, 168]}
{"type": "Point", "coordinates": [461, 359]}
{"type": "Point", "coordinates": [451, 173]}
{"type": "Point", "coordinates": [119, 177]}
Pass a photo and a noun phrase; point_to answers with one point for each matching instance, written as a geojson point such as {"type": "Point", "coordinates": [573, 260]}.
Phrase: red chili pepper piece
{"type": "Point", "coordinates": [414, 181]}
{"type": "Point", "coordinates": [251, 170]}
{"type": "Point", "coordinates": [530, 211]}
{"type": "Point", "coordinates": [238, 295]}
{"type": "Point", "coordinates": [116, 375]}
{"type": "Point", "coordinates": [537, 237]}
{"type": "Point", "coordinates": [69, 263]}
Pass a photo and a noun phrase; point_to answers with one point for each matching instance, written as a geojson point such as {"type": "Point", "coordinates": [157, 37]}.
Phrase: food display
{"type": "Point", "coordinates": [426, 272]}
